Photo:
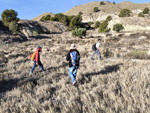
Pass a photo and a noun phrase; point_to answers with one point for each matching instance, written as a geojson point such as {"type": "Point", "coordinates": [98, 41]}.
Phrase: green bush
{"type": "Point", "coordinates": [114, 3]}
{"type": "Point", "coordinates": [95, 9]}
{"type": "Point", "coordinates": [64, 20]}
{"type": "Point", "coordinates": [43, 19]}
{"type": "Point", "coordinates": [140, 14]}
{"type": "Point", "coordinates": [125, 13]}
{"type": "Point", "coordinates": [52, 18]}
{"type": "Point", "coordinates": [59, 16]}
{"type": "Point", "coordinates": [103, 27]}
{"type": "Point", "coordinates": [97, 24]}
{"type": "Point", "coordinates": [35, 33]}
{"type": "Point", "coordinates": [80, 13]}
{"type": "Point", "coordinates": [13, 26]}
{"type": "Point", "coordinates": [90, 23]}
{"type": "Point", "coordinates": [109, 18]}
{"type": "Point", "coordinates": [75, 22]}
{"type": "Point", "coordinates": [146, 11]}
{"type": "Point", "coordinates": [118, 27]}
{"type": "Point", "coordinates": [8, 16]}
{"type": "Point", "coordinates": [79, 32]}
{"type": "Point", "coordinates": [102, 3]}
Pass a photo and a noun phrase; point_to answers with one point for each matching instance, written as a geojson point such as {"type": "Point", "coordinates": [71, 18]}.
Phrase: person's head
{"type": "Point", "coordinates": [99, 40]}
{"type": "Point", "coordinates": [73, 46]}
{"type": "Point", "coordinates": [39, 49]}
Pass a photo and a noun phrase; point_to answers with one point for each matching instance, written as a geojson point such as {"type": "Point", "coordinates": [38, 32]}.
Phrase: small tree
{"type": "Point", "coordinates": [75, 22]}
{"type": "Point", "coordinates": [125, 13]}
{"type": "Point", "coordinates": [146, 11]}
{"type": "Point", "coordinates": [103, 27]}
{"type": "Point", "coordinates": [8, 16]}
{"type": "Point", "coordinates": [95, 9]}
{"type": "Point", "coordinates": [114, 3]}
{"type": "Point", "coordinates": [140, 14]}
{"type": "Point", "coordinates": [118, 27]}
{"type": "Point", "coordinates": [79, 32]}
{"type": "Point", "coordinates": [97, 24]}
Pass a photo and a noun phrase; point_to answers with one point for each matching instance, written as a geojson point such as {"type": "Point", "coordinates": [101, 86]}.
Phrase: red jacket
{"type": "Point", "coordinates": [37, 55]}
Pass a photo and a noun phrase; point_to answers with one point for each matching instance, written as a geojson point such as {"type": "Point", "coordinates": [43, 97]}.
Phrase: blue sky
{"type": "Point", "coordinates": [29, 9]}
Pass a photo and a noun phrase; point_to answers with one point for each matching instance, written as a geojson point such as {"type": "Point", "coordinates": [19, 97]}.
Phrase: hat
{"type": "Point", "coordinates": [38, 47]}
{"type": "Point", "coordinates": [73, 46]}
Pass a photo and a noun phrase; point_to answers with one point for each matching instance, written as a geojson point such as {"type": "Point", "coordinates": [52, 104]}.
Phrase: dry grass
{"type": "Point", "coordinates": [111, 85]}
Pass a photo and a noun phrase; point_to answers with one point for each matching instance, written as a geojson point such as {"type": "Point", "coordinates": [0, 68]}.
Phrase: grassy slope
{"type": "Point", "coordinates": [111, 85]}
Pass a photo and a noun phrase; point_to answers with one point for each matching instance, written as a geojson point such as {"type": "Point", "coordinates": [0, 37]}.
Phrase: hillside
{"type": "Point", "coordinates": [119, 83]}
{"type": "Point", "coordinates": [108, 7]}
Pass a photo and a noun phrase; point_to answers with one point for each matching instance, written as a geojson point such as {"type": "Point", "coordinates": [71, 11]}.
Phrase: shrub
{"type": "Point", "coordinates": [59, 16]}
{"type": "Point", "coordinates": [8, 16]}
{"type": "Point", "coordinates": [48, 17]}
{"type": "Point", "coordinates": [76, 22]}
{"type": "Point", "coordinates": [64, 20]}
{"type": "Point", "coordinates": [118, 27]}
{"type": "Point", "coordinates": [125, 13]}
{"type": "Point", "coordinates": [43, 19]}
{"type": "Point", "coordinates": [95, 9]}
{"type": "Point", "coordinates": [13, 26]}
{"type": "Point", "coordinates": [146, 11]}
{"type": "Point", "coordinates": [102, 3]}
{"type": "Point", "coordinates": [52, 18]}
{"type": "Point", "coordinates": [35, 33]}
{"type": "Point", "coordinates": [138, 54]}
{"type": "Point", "coordinates": [97, 24]}
{"type": "Point", "coordinates": [80, 13]}
{"type": "Point", "coordinates": [114, 3]}
{"type": "Point", "coordinates": [90, 23]}
{"type": "Point", "coordinates": [140, 14]}
{"type": "Point", "coordinates": [79, 32]}
{"type": "Point", "coordinates": [109, 18]}
{"type": "Point", "coordinates": [103, 27]}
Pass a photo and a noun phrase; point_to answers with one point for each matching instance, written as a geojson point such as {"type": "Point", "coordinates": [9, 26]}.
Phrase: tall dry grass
{"type": "Point", "coordinates": [115, 84]}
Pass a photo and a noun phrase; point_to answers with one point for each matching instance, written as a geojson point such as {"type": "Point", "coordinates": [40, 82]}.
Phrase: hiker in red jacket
{"type": "Point", "coordinates": [37, 59]}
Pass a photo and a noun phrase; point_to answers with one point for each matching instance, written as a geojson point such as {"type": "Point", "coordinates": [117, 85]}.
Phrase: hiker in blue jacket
{"type": "Point", "coordinates": [73, 57]}
{"type": "Point", "coordinates": [95, 48]}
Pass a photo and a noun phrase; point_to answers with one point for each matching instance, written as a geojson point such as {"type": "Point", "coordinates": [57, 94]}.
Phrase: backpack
{"type": "Point", "coordinates": [33, 56]}
{"type": "Point", "coordinates": [74, 57]}
{"type": "Point", "coordinates": [94, 47]}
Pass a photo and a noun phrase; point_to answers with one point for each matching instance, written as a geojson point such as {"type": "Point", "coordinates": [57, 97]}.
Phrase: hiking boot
{"type": "Point", "coordinates": [92, 58]}
{"type": "Point", "coordinates": [74, 82]}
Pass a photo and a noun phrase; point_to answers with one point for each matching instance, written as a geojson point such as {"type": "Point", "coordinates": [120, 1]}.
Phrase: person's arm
{"type": "Point", "coordinates": [78, 54]}
{"type": "Point", "coordinates": [68, 56]}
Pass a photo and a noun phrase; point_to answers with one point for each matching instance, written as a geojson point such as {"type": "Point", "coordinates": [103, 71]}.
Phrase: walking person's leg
{"type": "Point", "coordinates": [99, 54]}
{"type": "Point", "coordinates": [71, 70]}
{"type": "Point", "coordinates": [93, 54]}
{"type": "Point", "coordinates": [41, 66]}
{"type": "Point", "coordinates": [34, 65]}
{"type": "Point", "coordinates": [75, 72]}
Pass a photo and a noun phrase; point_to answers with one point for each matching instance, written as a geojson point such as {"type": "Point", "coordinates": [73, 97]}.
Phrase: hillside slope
{"type": "Point", "coordinates": [119, 83]}
{"type": "Point", "coordinates": [108, 7]}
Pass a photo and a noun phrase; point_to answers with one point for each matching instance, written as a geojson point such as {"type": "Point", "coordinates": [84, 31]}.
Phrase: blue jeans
{"type": "Point", "coordinates": [73, 72]}
{"type": "Point", "coordinates": [40, 64]}
{"type": "Point", "coordinates": [96, 52]}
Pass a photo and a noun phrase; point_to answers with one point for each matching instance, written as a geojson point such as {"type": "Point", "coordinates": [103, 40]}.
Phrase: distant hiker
{"type": "Point", "coordinates": [36, 58]}
{"type": "Point", "coordinates": [73, 57]}
{"type": "Point", "coordinates": [95, 48]}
